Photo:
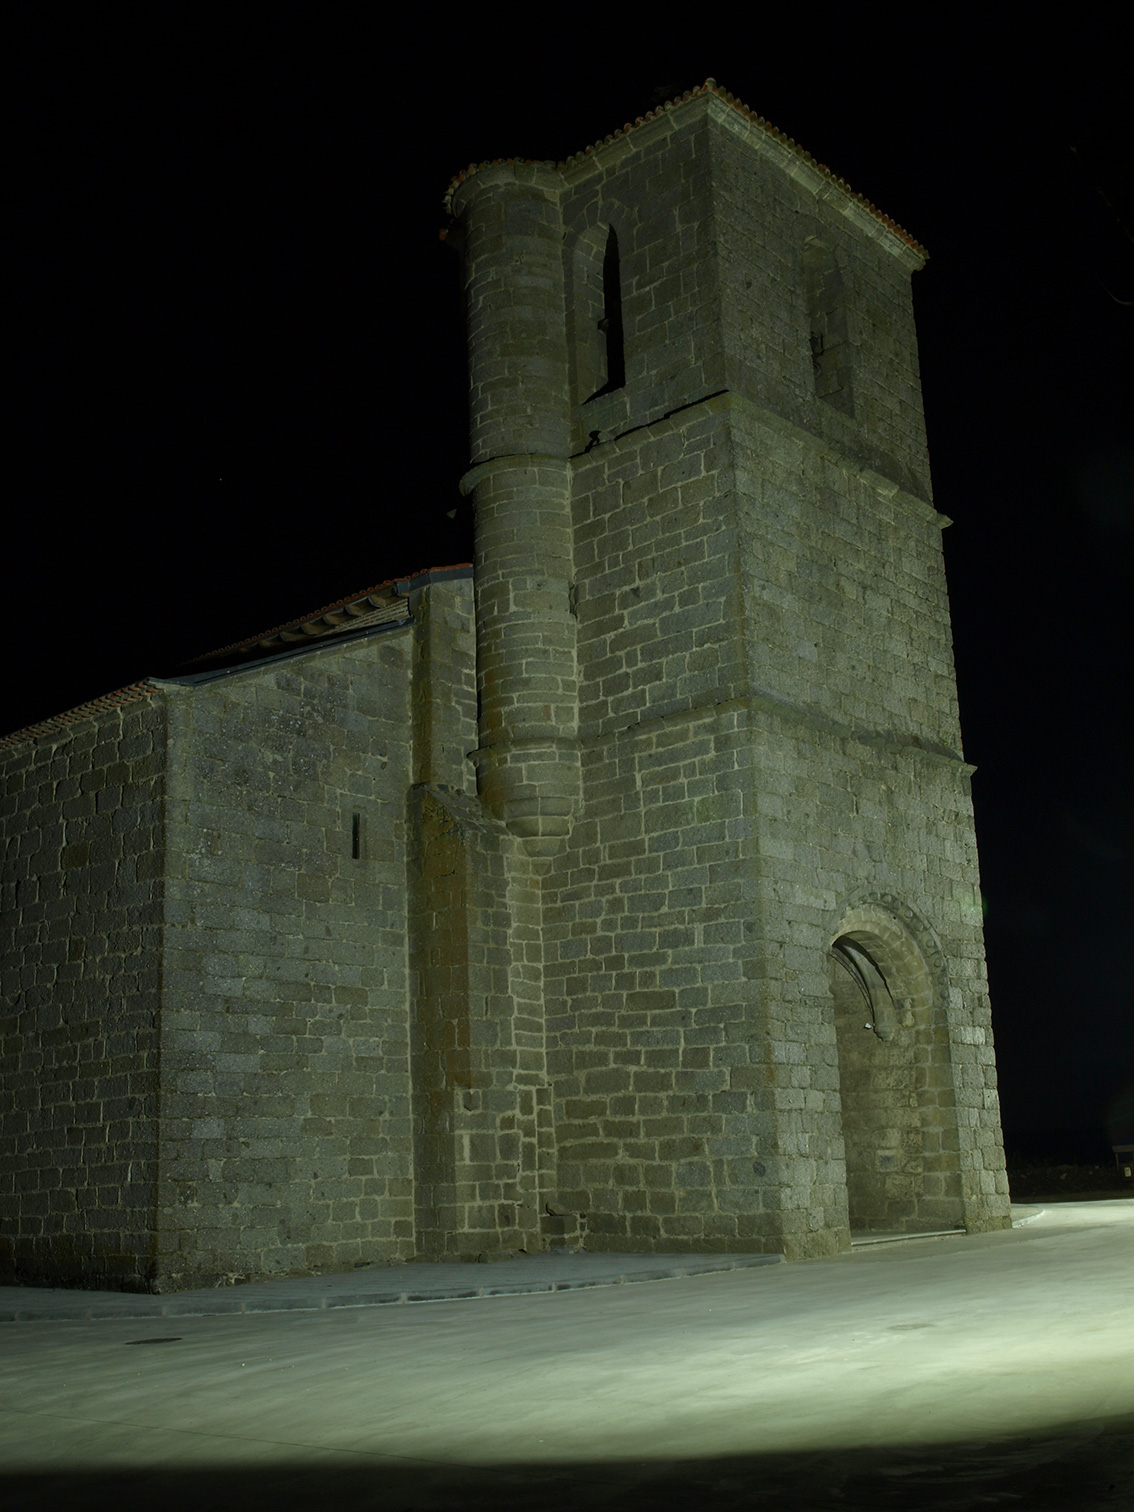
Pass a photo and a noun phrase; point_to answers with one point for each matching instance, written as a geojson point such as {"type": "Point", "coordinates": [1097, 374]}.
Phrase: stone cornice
{"type": "Point", "coordinates": [508, 461]}
{"type": "Point", "coordinates": [770, 419]}
{"type": "Point", "coordinates": [761, 703]}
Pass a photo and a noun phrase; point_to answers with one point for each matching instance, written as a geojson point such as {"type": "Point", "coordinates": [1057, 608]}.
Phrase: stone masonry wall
{"type": "Point", "coordinates": [656, 557]}
{"type": "Point", "coordinates": [656, 190]}
{"type": "Point", "coordinates": [697, 1105]}
{"type": "Point", "coordinates": [838, 818]}
{"type": "Point", "coordinates": [82, 909]}
{"type": "Point", "coordinates": [768, 714]}
{"type": "Point", "coordinates": [770, 210]}
{"type": "Point", "coordinates": [395, 1013]}
{"type": "Point", "coordinates": [852, 681]}
{"type": "Point", "coordinates": [482, 1106]}
{"type": "Point", "coordinates": [481, 1111]}
{"type": "Point", "coordinates": [286, 1114]}
{"type": "Point", "coordinates": [844, 589]}
{"type": "Point", "coordinates": [660, 1060]}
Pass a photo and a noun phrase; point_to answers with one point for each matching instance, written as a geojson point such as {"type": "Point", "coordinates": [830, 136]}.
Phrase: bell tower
{"type": "Point", "coordinates": [717, 700]}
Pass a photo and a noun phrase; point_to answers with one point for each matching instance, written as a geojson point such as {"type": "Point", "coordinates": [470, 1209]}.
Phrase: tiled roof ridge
{"type": "Point", "coordinates": [136, 692]}
{"type": "Point", "coordinates": [306, 619]}
{"type": "Point", "coordinates": [57, 724]}
{"type": "Point", "coordinates": [710, 86]}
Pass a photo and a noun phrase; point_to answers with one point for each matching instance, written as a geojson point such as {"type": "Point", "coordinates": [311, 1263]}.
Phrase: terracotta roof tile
{"type": "Point", "coordinates": [710, 86]}
{"type": "Point", "coordinates": [355, 612]}
{"type": "Point", "coordinates": [60, 724]}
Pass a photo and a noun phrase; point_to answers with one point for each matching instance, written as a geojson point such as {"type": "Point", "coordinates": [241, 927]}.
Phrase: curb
{"type": "Point", "coordinates": [109, 1305]}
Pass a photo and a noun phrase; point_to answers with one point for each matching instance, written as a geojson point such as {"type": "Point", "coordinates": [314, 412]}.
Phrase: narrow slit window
{"type": "Point", "coordinates": [611, 323]}
{"type": "Point", "coordinates": [595, 322]}
{"type": "Point", "coordinates": [827, 319]}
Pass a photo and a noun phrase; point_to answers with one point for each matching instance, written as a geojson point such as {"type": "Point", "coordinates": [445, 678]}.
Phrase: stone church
{"type": "Point", "coordinates": [618, 891]}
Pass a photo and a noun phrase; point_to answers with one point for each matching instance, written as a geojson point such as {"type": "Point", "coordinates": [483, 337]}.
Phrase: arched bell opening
{"type": "Point", "coordinates": [899, 1119]}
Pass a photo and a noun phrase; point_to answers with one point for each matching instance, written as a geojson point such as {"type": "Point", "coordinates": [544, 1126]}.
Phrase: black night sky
{"type": "Point", "coordinates": [241, 392]}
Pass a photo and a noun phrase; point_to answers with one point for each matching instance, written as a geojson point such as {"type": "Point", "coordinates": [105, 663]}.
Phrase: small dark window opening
{"type": "Point", "coordinates": [595, 320]}
{"type": "Point", "coordinates": [356, 837]}
{"type": "Point", "coordinates": [611, 323]}
{"type": "Point", "coordinates": [827, 317]}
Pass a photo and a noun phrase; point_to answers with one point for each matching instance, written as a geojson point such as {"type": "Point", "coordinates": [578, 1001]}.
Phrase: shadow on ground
{"type": "Point", "coordinates": [1085, 1466]}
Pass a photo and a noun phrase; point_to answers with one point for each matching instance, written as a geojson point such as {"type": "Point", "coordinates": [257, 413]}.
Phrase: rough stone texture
{"type": "Point", "coordinates": [80, 978]}
{"type": "Point", "coordinates": [514, 925]}
{"type": "Point", "coordinates": [285, 1050]}
{"type": "Point", "coordinates": [767, 716]}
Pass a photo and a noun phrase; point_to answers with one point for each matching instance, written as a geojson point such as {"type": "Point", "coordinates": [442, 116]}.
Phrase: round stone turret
{"type": "Point", "coordinates": [520, 481]}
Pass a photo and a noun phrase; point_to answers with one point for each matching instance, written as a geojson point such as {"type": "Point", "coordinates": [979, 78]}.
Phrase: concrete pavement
{"type": "Point", "coordinates": [939, 1373]}
{"type": "Point", "coordinates": [377, 1286]}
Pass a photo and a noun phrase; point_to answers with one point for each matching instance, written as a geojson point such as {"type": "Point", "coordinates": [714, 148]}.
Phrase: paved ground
{"type": "Point", "coordinates": [377, 1286]}
{"type": "Point", "coordinates": [950, 1373]}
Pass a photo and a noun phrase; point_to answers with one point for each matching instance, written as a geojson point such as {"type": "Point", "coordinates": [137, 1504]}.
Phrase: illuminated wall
{"type": "Point", "coordinates": [625, 895]}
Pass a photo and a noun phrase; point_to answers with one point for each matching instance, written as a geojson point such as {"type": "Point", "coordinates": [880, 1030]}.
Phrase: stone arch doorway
{"type": "Point", "coordinates": [890, 988]}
